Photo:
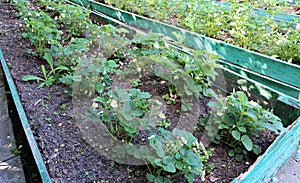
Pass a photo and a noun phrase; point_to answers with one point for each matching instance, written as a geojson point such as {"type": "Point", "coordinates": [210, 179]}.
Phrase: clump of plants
{"type": "Point", "coordinates": [235, 121]}
{"type": "Point", "coordinates": [93, 59]}
{"type": "Point", "coordinates": [236, 24]}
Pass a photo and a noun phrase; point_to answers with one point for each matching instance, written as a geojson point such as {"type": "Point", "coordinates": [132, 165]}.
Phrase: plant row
{"type": "Point", "coordinates": [272, 6]}
{"type": "Point", "coordinates": [100, 63]}
{"type": "Point", "coordinates": [237, 24]}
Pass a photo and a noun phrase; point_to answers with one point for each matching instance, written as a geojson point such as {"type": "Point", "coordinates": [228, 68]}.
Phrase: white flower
{"type": "Point", "coordinates": [94, 105]}
{"type": "Point", "coordinates": [139, 69]}
{"type": "Point", "coordinates": [161, 115]}
{"type": "Point", "coordinates": [175, 77]}
{"type": "Point", "coordinates": [156, 45]}
{"type": "Point", "coordinates": [183, 140]}
{"type": "Point", "coordinates": [151, 137]}
{"type": "Point", "coordinates": [219, 113]}
{"type": "Point", "coordinates": [114, 103]}
{"type": "Point", "coordinates": [253, 103]}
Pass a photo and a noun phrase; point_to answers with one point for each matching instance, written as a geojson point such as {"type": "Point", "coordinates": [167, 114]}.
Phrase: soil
{"type": "Point", "coordinates": [66, 153]}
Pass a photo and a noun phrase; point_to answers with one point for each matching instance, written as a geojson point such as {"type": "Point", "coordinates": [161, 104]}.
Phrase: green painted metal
{"type": "Point", "coordinates": [284, 147]}
{"type": "Point", "coordinates": [84, 3]}
{"type": "Point", "coordinates": [261, 64]}
{"type": "Point", "coordinates": [277, 86]}
{"type": "Point", "coordinates": [32, 143]}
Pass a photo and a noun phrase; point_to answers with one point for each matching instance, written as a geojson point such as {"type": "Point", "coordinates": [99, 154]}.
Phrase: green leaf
{"type": "Point", "coordinates": [238, 157]}
{"type": "Point", "coordinates": [251, 115]}
{"type": "Point", "coordinates": [231, 153]}
{"type": "Point", "coordinates": [247, 142]}
{"type": "Point", "coordinates": [189, 177]}
{"type": "Point", "coordinates": [68, 51]}
{"type": "Point", "coordinates": [44, 71]}
{"type": "Point", "coordinates": [192, 159]}
{"type": "Point", "coordinates": [142, 95]}
{"type": "Point", "coordinates": [127, 116]}
{"type": "Point", "coordinates": [62, 68]}
{"type": "Point", "coordinates": [256, 149]}
{"type": "Point", "coordinates": [129, 129]}
{"type": "Point", "coordinates": [242, 97]}
{"type": "Point", "coordinates": [49, 59]}
{"type": "Point", "coordinates": [242, 129]}
{"type": "Point", "coordinates": [236, 134]}
{"type": "Point", "coordinates": [179, 165]}
{"type": "Point", "coordinates": [170, 168]}
{"type": "Point", "coordinates": [31, 77]}
{"type": "Point", "coordinates": [150, 177]}
{"type": "Point", "coordinates": [137, 112]}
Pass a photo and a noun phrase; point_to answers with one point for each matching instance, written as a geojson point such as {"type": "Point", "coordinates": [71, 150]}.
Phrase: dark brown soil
{"type": "Point", "coordinates": [67, 155]}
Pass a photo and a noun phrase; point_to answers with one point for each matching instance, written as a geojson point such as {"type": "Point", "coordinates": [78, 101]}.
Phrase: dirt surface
{"type": "Point", "coordinates": [67, 155]}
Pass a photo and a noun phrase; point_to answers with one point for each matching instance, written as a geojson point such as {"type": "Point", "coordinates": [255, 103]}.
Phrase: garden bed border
{"type": "Point", "coordinates": [288, 139]}
{"type": "Point", "coordinates": [253, 65]}
{"type": "Point", "coordinates": [26, 126]}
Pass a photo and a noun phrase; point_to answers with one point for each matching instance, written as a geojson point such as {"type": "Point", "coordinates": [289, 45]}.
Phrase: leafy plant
{"type": "Point", "coordinates": [171, 154]}
{"type": "Point", "coordinates": [236, 120]}
{"type": "Point", "coordinates": [237, 24]}
{"type": "Point", "coordinates": [41, 30]}
{"type": "Point", "coordinates": [49, 77]}
{"type": "Point", "coordinates": [123, 111]}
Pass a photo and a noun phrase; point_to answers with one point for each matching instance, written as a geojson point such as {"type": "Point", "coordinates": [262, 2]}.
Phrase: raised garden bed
{"type": "Point", "coordinates": [249, 64]}
{"type": "Point", "coordinates": [237, 24]}
{"type": "Point", "coordinates": [61, 138]}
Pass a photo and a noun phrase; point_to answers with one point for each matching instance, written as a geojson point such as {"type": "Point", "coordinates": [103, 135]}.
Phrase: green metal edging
{"type": "Point", "coordinates": [250, 60]}
{"type": "Point", "coordinates": [276, 86]}
{"type": "Point", "coordinates": [30, 137]}
{"type": "Point", "coordinates": [275, 157]}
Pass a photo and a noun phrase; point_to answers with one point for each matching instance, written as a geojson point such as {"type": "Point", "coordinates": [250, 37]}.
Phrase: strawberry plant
{"type": "Point", "coordinates": [235, 120]}
{"type": "Point", "coordinates": [41, 30]}
{"type": "Point", "coordinates": [237, 24]}
{"type": "Point", "coordinates": [170, 154]}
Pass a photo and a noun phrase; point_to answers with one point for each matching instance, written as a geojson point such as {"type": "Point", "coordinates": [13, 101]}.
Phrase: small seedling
{"type": "Point", "coordinates": [63, 106]}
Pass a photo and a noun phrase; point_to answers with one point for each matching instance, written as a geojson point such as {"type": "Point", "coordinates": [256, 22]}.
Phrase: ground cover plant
{"type": "Point", "coordinates": [271, 5]}
{"type": "Point", "coordinates": [238, 25]}
{"type": "Point", "coordinates": [115, 82]}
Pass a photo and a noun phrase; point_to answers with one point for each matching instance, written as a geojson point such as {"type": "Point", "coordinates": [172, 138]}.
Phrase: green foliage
{"type": "Point", "coordinates": [128, 111]}
{"type": "Point", "coordinates": [48, 77]}
{"type": "Point", "coordinates": [41, 30]}
{"type": "Point", "coordinates": [177, 152]}
{"type": "Point", "coordinates": [170, 154]}
{"type": "Point", "coordinates": [74, 18]}
{"type": "Point", "coordinates": [71, 53]}
{"type": "Point", "coordinates": [238, 24]}
{"type": "Point", "coordinates": [236, 121]}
